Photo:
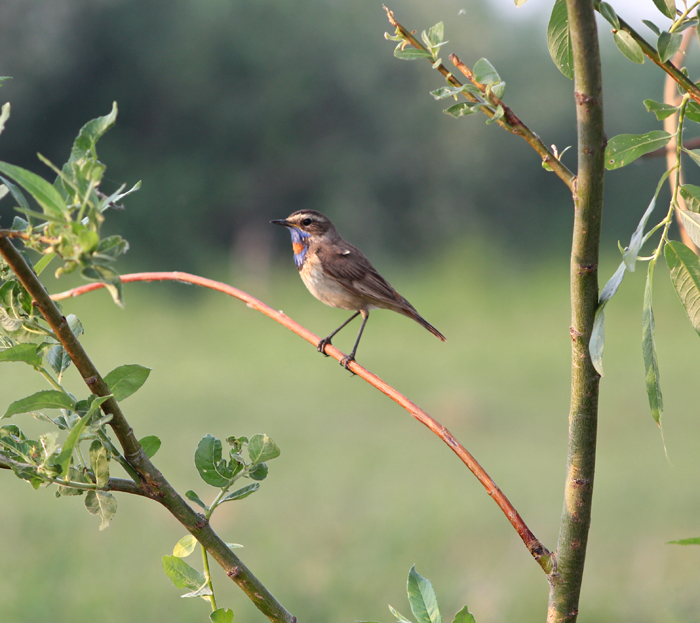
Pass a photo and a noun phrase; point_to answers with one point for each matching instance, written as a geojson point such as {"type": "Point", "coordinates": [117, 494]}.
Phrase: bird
{"type": "Point", "coordinates": [339, 275]}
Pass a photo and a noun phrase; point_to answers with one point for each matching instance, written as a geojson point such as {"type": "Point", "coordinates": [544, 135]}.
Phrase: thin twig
{"type": "Point", "coordinates": [536, 548]}
{"type": "Point", "coordinates": [510, 121]}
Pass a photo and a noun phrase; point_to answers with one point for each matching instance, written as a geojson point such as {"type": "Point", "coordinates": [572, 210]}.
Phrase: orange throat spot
{"type": "Point", "coordinates": [297, 247]}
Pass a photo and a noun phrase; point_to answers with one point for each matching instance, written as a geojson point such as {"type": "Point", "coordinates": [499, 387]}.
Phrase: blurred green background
{"type": "Point", "coordinates": [233, 113]}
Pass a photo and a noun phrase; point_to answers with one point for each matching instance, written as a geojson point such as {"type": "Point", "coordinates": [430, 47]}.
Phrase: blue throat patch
{"type": "Point", "coordinates": [299, 244]}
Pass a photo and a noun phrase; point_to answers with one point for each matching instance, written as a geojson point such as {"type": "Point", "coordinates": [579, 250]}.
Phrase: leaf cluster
{"type": "Point", "coordinates": [71, 209]}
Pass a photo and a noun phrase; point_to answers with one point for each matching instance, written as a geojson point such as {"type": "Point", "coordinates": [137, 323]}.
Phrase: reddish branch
{"type": "Point", "coordinates": [538, 551]}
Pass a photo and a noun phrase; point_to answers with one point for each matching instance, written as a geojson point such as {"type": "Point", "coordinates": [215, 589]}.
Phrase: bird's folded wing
{"type": "Point", "coordinates": [351, 269]}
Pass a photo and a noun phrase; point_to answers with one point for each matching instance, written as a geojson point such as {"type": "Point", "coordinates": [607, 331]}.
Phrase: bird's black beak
{"type": "Point", "coordinates": [281, 221]}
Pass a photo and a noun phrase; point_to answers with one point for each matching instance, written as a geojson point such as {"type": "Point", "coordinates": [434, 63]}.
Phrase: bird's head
{"type": "Point", "coordinates": [307, 224]}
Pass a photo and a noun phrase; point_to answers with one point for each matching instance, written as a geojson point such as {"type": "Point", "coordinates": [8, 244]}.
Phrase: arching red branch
{"type": "Point", "coordinates": [539, 552]}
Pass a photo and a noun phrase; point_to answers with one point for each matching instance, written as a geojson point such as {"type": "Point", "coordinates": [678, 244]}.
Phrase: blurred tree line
{"type": "Point", "coordinates": [236, 112]}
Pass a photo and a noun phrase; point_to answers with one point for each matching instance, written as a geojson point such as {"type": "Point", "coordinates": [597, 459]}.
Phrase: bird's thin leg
{"type": "Point", "coordinates": [351, 357]}
{"type": "Point", "coordinates": [327, 340]}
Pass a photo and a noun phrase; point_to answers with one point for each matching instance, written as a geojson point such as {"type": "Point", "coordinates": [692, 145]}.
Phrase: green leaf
{"type": "Point", "coordinates": [661, 110]}
{"type": "Point", "coordinates": [221, 615]}
{"type": "Point", "coordinates": [520, 2]}
{"type": "Point", "coordinates": [241, 493]}
{"type": "Point", "coordinates": [559, 39]}
{"type": "Point", "coordinates": [99, 462]}
{"type": "Point", "coordinates": [211, 467]}
{"type": "Point", "coordinates": [463, 616]}
{"type": "Point", "coordinates": [125, 380]}
{"type": "Point", "coordinates": [625, 148]}
{"type": "Point", "coordinates": [691, 541]}
{"type": "Point", "coordinates": [652, 26]}
{"type": "Point", "coordinates": [44, 193]}
{"type": "Point", "coordinates": [150, 445]}
{"type": "Point", "coordinates": [685, 276]}
{"type": "Point", "coordinates": [692, 111]}
{"type": "Point", "coordinates": [63, 459]}
{"type": "Point", "coordinates": [259, 472]}
{"type": "Point", "coordinates": [463, 108]}
{"type": "Point", "coordinates": [436, 34]}
{"type": "Point", "coordinates": [628, 46]}
{"type": "Point", "coordinates": [26, 353]}
{"type": "Point", "coordinates": [691, 194]}
{"type": "Point", "coordinates": [185, 546]}
{"type": "Point", "coordinates": [668, 44]}
{"type": "Point", "coordinates": [691, 223]}
{"type": "Point", "coordinates": [193, 497]}
{"type": "Point", "coordinates": [90, 133]}
{"type": "Point", "coordinates": [638, 238]}
{"type": "Point", "coordinates": [45, 399]}
{"type": "Point", "coordinates": [422, 598]}
{"type": "Point", "coordinates": [667, 7]}
{"type": "Point", "coordinates": [485, 72]}
{"type": "Point", "coordinates": [412, 54]}
{"type": "Point", "coordinates": [597, 341]}
{"type": "Point", "coordinates": [694, 154]}
{"type": "Point", "coordinates": [103, 504]}
{"type": "Point", "coordinates": [400, 617]}
{"type": "Point", "coordinates": [651, 365]}
{"type": "Point", "coordinates": [181, 574]}
{"type": "Point", "coordinates": [261, 448]}
{"type": "Point", "coordinates": [609, 14]}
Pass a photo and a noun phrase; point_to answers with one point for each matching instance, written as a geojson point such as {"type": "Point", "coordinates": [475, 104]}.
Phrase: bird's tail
{"type": "Point", "coordinates": [412, 313]}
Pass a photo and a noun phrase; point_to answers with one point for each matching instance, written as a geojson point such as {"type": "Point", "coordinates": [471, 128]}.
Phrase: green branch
{"type": "Point", "coordinates": [565, 582]}
{"type": "Point", "coordinates": [154, 485]}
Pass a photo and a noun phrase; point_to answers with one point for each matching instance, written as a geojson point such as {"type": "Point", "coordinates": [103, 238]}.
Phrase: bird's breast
{"type": "Point", "coordinates": [325, 288]}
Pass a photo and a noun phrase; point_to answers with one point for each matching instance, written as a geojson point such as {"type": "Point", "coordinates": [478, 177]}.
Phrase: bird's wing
{"type": "Point", "coordinates": [351, 269]}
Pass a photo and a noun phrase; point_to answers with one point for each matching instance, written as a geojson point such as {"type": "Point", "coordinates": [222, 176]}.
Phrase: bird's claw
{"type": "Point", "coordinates": [345, 362]}
{"type": "Point", "coordinates": [321, 348]}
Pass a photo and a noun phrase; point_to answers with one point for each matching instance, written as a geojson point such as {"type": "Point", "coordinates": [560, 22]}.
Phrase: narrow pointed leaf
{"type": "Point", "coordinates": [399, 617]}
{"type": "Point", "coordinates": [125, 380]}
{"type": "Point", "coordinates": [46, 399]}
{"type": "Point", "coordinates": [691, 541]}
{"type": "Point", "coordinates": [638, 238]}
{"type": "Point", "coordinates": [422, 598]}
{"type": "Point", "coordinates": [559, 39]}
{"type": "Point", "coordinates": [597, 342]}
{"type": "Point", "coordinates": [685, 276]}
{"type": "Point", "coordinates": [241, 493]}
{"type": "Point", "coordinates": [44, 193]}
{"type": "Point", "coordinates": [652, 26]}
{"type": "Point", "coordinates": [625, 148]}
{"type": "Point", "coordinates": [651, 366]}
{"type": "Point", "coordinates": [694, 155]}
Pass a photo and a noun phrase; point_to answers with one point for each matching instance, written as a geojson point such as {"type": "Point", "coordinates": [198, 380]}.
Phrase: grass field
{"type": "Point", "coordinates": [361, 491]}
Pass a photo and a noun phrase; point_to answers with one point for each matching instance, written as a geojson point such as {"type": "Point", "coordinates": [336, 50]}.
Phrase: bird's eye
{"type": "Point", "coordinates": [306, 221]}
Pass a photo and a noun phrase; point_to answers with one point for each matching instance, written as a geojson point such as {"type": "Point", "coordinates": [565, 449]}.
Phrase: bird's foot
{"type": "Point", "coordinates": [321, 348]}
{"type": "Point", "coordinates": [345, 362]}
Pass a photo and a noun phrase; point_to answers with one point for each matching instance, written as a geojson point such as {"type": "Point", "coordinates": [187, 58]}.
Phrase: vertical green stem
{"type": "Point", "coordinates": [565, 582]}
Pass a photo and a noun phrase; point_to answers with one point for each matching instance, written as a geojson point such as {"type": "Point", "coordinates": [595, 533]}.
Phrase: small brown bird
{"type": "Point", "coordinates": [337, 274]}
